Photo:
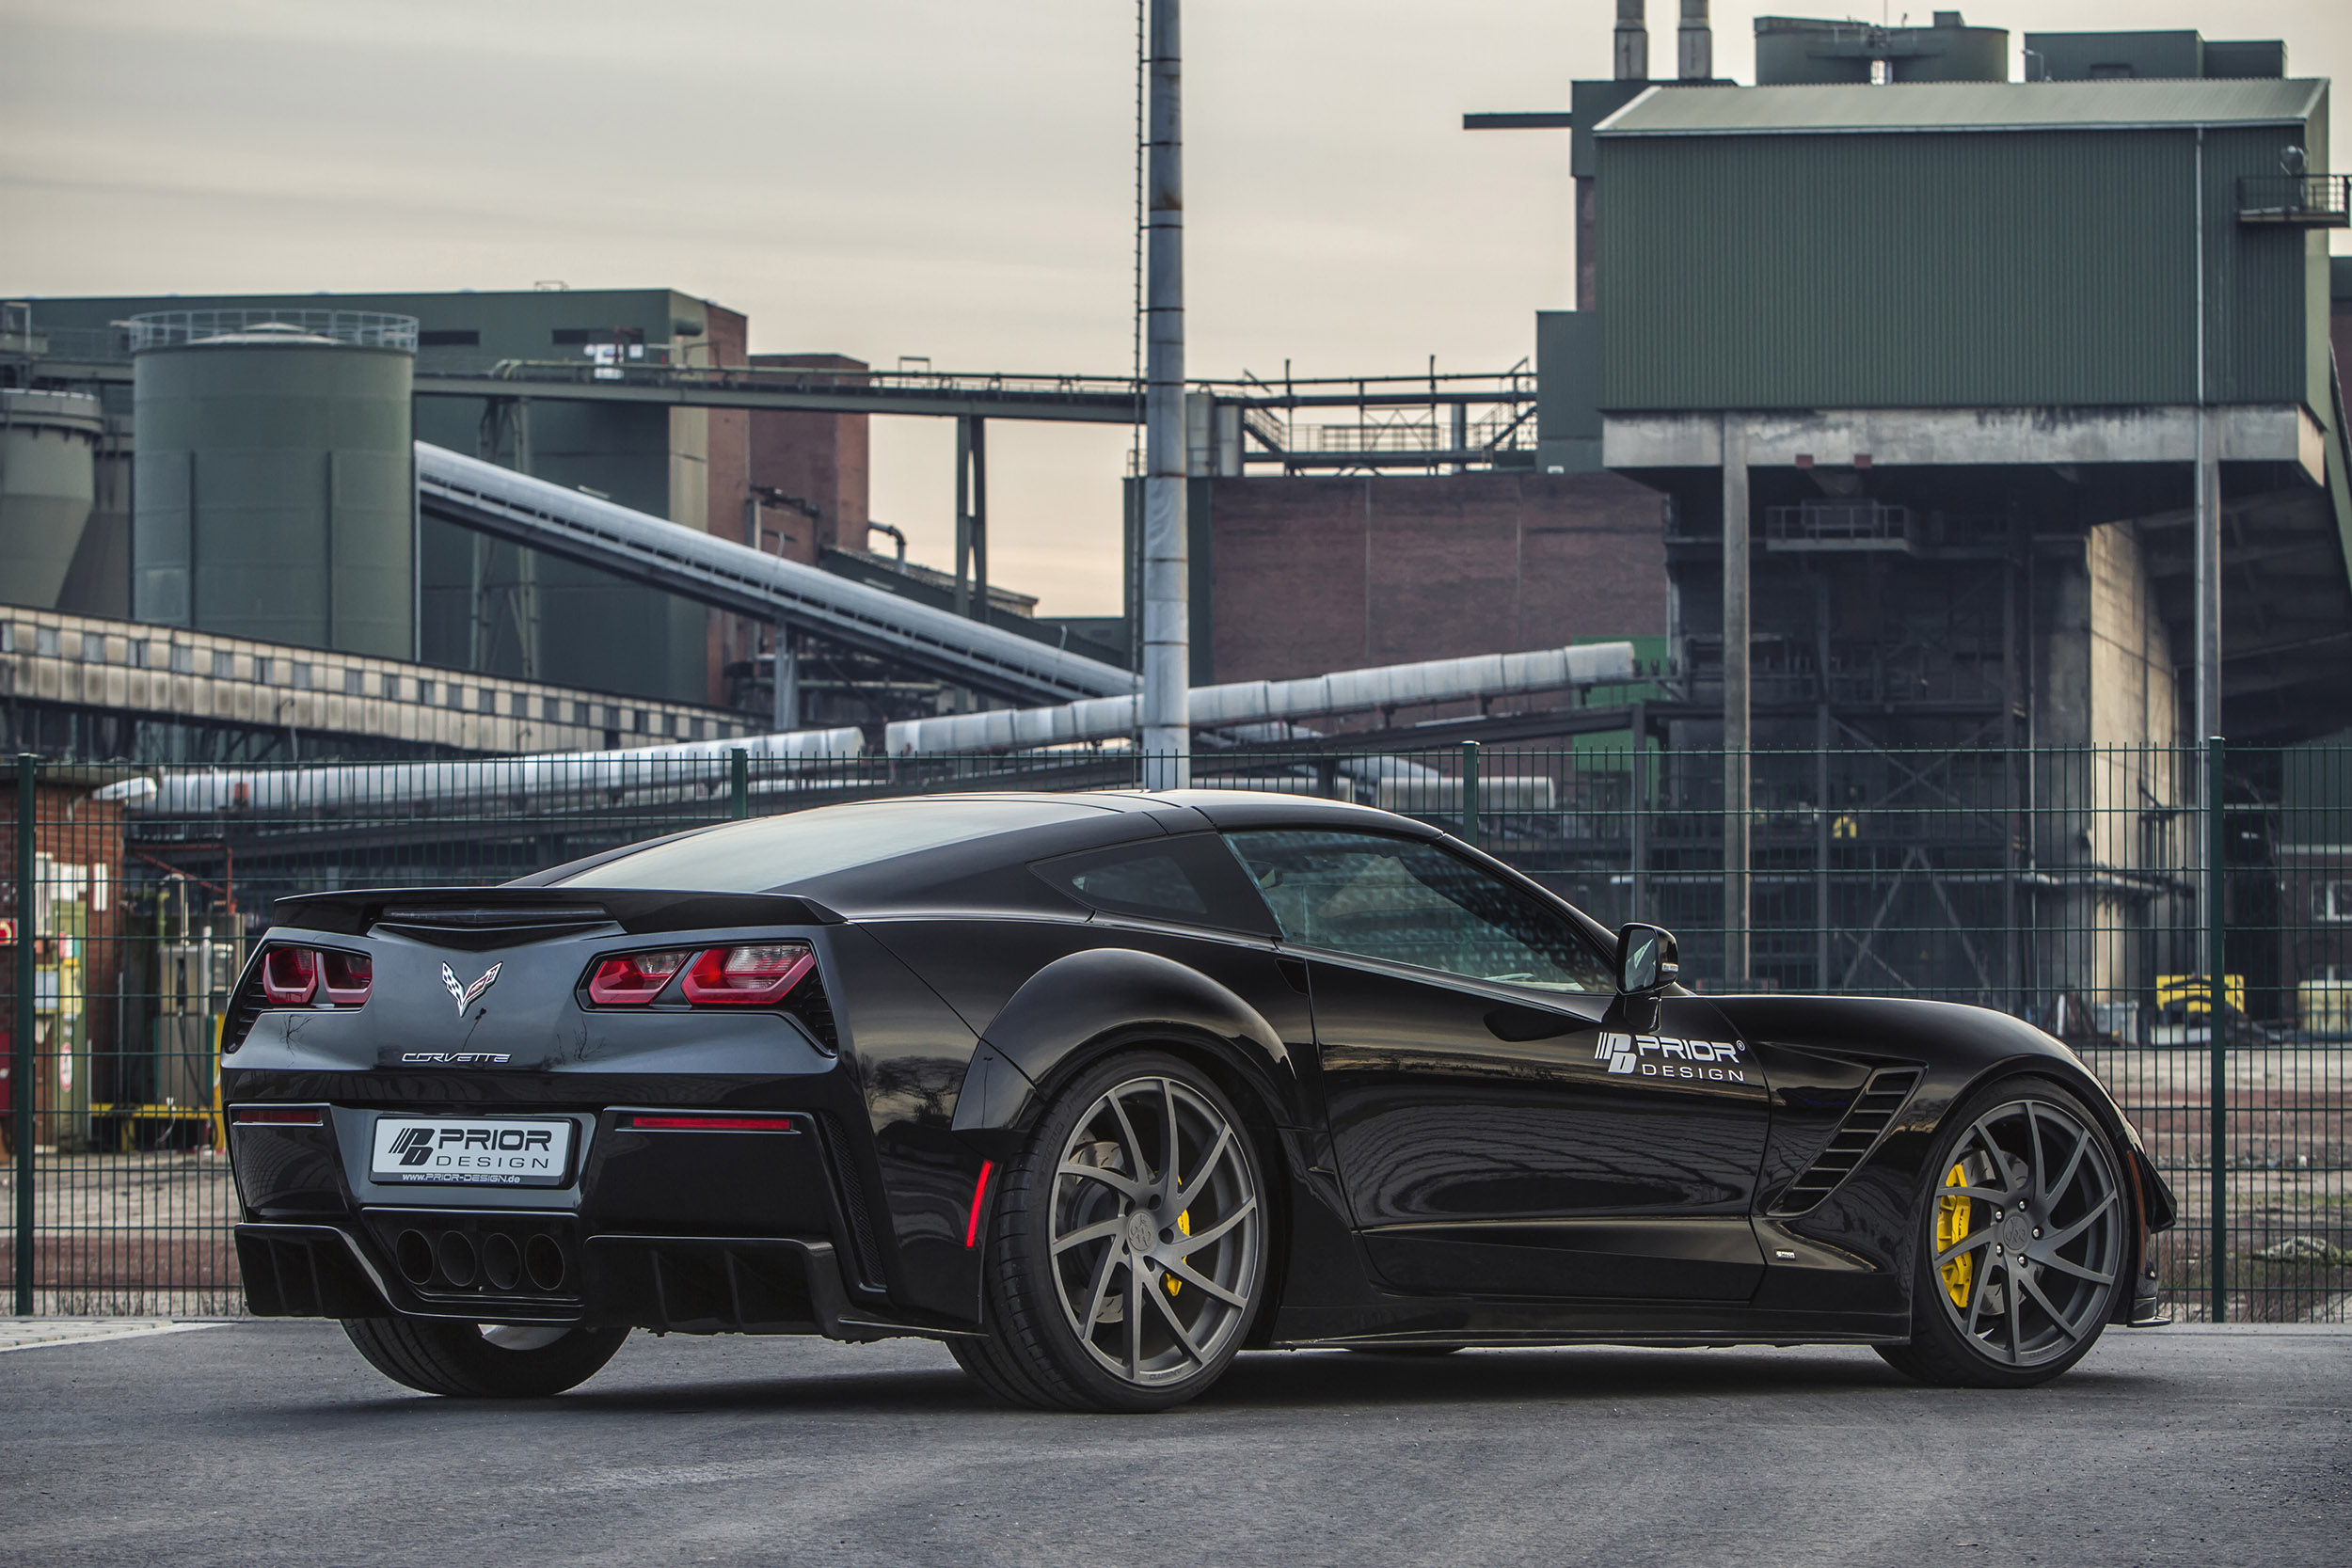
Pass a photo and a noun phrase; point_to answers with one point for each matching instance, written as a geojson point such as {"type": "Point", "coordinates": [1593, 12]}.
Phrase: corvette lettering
{"type": "Point", "coordinates": [1665, 1056]}
{"type": "Point", "coordinates": [455, 1059]}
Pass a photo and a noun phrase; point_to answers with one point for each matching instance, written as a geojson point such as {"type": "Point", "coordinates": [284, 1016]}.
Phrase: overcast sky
{"type": "Point", "coordinates": [946, 178]}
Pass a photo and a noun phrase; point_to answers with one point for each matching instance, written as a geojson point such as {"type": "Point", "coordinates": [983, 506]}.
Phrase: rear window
{"type": "Point", "coordinates": [773, 851]}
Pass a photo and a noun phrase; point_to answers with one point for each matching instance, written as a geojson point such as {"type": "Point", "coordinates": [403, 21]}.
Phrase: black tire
{"type": "Point", "coordinates": [1203, 1278]}
{"type": "Point", "coordinates": [468, 1361]}
{"type": "Point", "coordinates": [2021, 1230]}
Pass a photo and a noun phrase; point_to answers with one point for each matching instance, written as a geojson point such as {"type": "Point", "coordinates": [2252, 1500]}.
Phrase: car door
{"type": "Point", "coordinates": [1499, 1127]}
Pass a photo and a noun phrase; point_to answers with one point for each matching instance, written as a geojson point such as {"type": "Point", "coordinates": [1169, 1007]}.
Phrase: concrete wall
{"type": "Point", "coordinates": [1316, 574]}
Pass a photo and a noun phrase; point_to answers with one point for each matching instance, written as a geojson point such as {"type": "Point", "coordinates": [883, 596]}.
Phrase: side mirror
{"type": "Point", "coordinates": [1646, 959]}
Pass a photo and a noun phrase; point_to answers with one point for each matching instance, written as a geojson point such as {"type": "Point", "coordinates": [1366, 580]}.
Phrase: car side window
{"type": "Point", "coordinates": [1191, 879]}
{"type": "Point", "coordinates": [1411, 902]}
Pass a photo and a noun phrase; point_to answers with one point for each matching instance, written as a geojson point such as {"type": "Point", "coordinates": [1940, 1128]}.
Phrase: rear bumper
{"type": "Point", "coordinates": [671, 1284]}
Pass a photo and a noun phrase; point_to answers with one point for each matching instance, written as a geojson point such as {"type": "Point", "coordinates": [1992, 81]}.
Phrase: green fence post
{"type": "Point", "coordinates": [1470, 793]}
{"type": "Point", "coordinates": [2217, 1034]}
{"type": "Point", "coordinates": [739, 784]}
{"type": "Point", "coordinates": [20, 1051]}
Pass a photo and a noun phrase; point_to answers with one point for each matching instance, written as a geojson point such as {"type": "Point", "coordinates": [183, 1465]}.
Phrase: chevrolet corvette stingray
{"type": "Point", "coordinates": [1101, 1089]}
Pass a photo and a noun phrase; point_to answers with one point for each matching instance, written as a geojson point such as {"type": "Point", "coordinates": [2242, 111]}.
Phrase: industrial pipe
{"type": "Point", "coordinates": [1245, 702]}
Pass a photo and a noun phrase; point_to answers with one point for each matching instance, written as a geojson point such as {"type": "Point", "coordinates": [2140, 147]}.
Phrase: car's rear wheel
{"type": "Point", "coordinates": [2022, 1233]}
{"type": "Point", "coordinates": [1128, 1247]}
{"type": "Point", "coordinates": [484, 1361]}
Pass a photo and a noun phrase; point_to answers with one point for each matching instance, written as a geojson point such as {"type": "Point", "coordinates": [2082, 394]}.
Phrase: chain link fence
{"type": "Point", "coordinates": [2088, 890]}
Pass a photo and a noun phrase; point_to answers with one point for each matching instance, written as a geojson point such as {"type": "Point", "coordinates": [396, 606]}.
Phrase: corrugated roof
{"type": "Point", "coordinates": [1963, 107]}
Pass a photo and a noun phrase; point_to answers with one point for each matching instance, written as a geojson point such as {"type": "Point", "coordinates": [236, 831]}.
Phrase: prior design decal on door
{"type": "Point", "coordinates": [1665, 1056]}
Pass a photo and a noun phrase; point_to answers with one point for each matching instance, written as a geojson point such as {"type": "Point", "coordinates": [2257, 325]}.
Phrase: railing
{"type": "Point", "coordinates": [2072, 887]}
{"type": "Point", "coordinates": [2296, 201]}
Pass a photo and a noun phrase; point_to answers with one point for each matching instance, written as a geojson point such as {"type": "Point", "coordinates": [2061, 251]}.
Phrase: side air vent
{"type": "Point", "coordinates": [1866, 1121]}
{"type": "Point", "coordinates": [478, 927]}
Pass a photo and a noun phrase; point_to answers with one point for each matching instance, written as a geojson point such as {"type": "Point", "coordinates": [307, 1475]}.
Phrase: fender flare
{"type": "Point", "coordinates": [1085, 1003]}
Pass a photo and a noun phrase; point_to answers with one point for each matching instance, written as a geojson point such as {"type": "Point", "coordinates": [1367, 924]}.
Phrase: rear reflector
{"type": "Point", "coordinates": [646, 1122]}
{"type": "Point", "coordinates": [757, 975]}
{"type": "Point", "coordinates": [289, 976]}
{"type": "Point", "coordinates": [979, 1190]}
{"type": "Point", "coordinates": [277, 1115]}
{"type": "Point", "coordinates": [633, 979]}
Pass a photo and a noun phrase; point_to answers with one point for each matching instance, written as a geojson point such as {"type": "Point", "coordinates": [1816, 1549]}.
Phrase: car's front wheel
{"type": "Point", "coordinates": [484, 1361]}
{"type": "Point", "coordinates": [1128, 1245]}
{"type": "Point", "coordinates": [2022, 1235]}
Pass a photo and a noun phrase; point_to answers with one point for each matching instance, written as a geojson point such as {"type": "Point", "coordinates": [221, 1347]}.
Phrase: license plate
{"type": "Point", "coordinates": [475, 1151]}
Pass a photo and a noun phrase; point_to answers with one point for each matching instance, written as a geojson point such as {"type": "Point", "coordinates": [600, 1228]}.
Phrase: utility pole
{"type": "Point", "coordinates": [1166, 737]}
{"type": "Point", "coordinates": [1736, 966]}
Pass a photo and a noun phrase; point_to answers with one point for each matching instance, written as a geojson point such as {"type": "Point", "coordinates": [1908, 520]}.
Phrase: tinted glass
{"type": "Point", "coordinates": [1192, 880]}
{"type": "Point", "coordinates": [776, 851]}
{"type": "Point", "coordinates": [1412, 903]}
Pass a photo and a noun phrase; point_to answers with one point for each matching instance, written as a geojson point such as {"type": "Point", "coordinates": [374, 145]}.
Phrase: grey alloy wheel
{"type": "Point", "coordinates": [2024, 1241]}
{"type": "Point", "coordinates": [1155, 1229]}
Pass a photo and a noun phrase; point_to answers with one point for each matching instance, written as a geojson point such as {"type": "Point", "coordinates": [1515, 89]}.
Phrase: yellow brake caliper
{"type": "Point", "coordinates": [1184, 1223]}
{"type": "Point", "coordinates": [1955, 1217]}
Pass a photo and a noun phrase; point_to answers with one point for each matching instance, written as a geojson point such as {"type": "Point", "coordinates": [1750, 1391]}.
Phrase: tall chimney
{"type": "Point", "coordinates": [1694, 44]}
{"type": "Point", "coordinates": [1166, 737]}
{"type": "Point", "coordinates": [1632, 42]}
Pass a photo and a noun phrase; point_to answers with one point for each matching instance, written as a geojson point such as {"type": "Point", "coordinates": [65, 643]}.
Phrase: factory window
{"type": "Point", "coordinates": [94, 646]}
{"type": "Point", "coordinates": [449, 337]}
{"type": "Point", "coordinates": [135, 653]}
{"type": "Point", "coordinates": [7, 637]}
{"type": "Point", "coordinates": [702, 729]}
{"type": "Point", "coordinates": [355, 684]}
{"type": "Point", "coordinates": [224, 665]}
{"type": "Point", "coordinates": [612, 718]}
{"type": "Point", "coordinates": [580, 713]}
{"type": "Point", "coordinates": [456, 696]}
{"type": "Point", "coordinates": [637, 719]}
{"type": "Point", "coordinates": [183, 659]}
{"type": "Point", "coordinates": [577, 337]}
{"type": "Point", "coordinates": [2332, 901]}
{"type": "Point", "coordinates": [424, 693]}
{"type": "Point", "coordinates": [45, 642]}
{"type": "Point", "coordinates": [261, 671]}
{"type": "Point", "coordinates": [485, 701]}
{"type": "Point", "coordinates": [301, 676]}
{"type": "Point", "coordinates": [391, 686]}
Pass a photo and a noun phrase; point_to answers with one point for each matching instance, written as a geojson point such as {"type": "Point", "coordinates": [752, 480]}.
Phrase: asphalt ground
{"type": "Point", "coordinates": [273, 1443]}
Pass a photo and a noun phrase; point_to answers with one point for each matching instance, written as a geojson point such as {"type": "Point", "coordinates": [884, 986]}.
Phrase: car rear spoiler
{"type": "Point", "coordinates": [355, 911]}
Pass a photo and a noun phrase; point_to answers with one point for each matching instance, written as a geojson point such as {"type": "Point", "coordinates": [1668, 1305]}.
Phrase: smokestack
{"type": "Point", "coordinates": [1694, 44]}
{"type": "Point", "coordinates": [1632, 42]}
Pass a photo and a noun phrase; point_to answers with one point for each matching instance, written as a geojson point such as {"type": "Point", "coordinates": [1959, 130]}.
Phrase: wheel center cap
{"type": "Point", "coordinates": [2017, 1232]}
{"type": "Point", "coordinates": [1141, 1231]}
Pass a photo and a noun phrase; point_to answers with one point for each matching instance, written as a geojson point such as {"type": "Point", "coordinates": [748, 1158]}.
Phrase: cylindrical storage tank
{"type": "Point", "coordinates": [274, 492]}
{"type": "Point", "coordinates": [48, 447]}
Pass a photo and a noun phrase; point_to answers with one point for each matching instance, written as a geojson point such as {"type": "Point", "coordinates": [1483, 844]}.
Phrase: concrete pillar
{"type": "Point", "coordinates": [787, 681]}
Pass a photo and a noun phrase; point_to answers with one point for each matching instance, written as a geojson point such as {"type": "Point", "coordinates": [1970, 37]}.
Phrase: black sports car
{"type": "Point", "coordinates": [1101, 1089]}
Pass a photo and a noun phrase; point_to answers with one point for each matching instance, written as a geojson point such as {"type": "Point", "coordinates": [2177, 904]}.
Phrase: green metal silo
{"type": "Point", "coordinates": [274, 492]}
{"type": "Point", "coordinates": [48, 441]}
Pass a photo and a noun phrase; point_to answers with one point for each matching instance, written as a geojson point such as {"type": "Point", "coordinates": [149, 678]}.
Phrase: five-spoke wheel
{"type": "Point", "coordinates": [1129, 1244]}
{"type": "Point", "coordinates": [2024, 1242]}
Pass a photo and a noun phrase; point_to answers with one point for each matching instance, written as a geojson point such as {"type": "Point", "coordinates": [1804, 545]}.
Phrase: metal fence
{"type": "Point", "coordinates": [2088, 890]}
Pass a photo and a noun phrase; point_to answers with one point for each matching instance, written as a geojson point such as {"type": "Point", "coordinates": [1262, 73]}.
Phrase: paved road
{"type": "Point", "coordinates": [269, 1443]}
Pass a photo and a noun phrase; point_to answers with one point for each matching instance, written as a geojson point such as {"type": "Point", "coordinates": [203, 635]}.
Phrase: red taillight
{"type": "Point", "coordinates": [290, 976]}
{"type": "Point", "coordinates": [643, 1121]}
{"type": "Point", "coordinates": [277, 1115]}
{"type": "Point", "coordinates": [753, 975]}
{"type": "Point", "coordinates": [347, 977]}
{"type": "Point", "coordinates": [295, 976]}
{"type": "Point", "coordinates": [633, 979]}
